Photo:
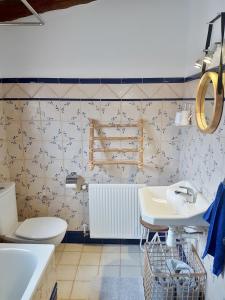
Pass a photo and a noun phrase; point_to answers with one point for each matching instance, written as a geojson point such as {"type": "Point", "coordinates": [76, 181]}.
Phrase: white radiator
{"type": "Point", "coordinates": [114, 211]}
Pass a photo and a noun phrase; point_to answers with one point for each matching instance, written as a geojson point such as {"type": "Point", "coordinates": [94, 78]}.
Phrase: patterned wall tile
{"type": "Point", "coordinates": [165, 92]}
{"type": "Point", "coordinates": [93, 91]}
{"type": "Point", "coordinates": [51, 131]}
{"type": "Point", "coordinates": [48, 139]}
{"type": "Point", "coordinates": [149, 89]}
{"type": "Point", "coordinates": [110, 111]}
{"type": "Point", "coordinates": [3, 151]}
{"type": "Point", "coordinates": [30, 110]}
{"type": "Point", "coordinates": [119, 89]}
{"type": "Point", "coordinates": [32, 168]}
{"type": "Point", "coordinates": [207, 153]}
{"type": "Point", "coordinates": [53, 149]}
{"type": "Point", "coordinates": [31, 131]}
{"type": "Point", "coordinates": [15, 150]}
{"type": "Point", "coordinates": [4, 172]}
{"type": "Point", "coordinates": [135, 93]}
{"type": "Point", "coordinates": [73, 164]}
{"type": "Point", "coordinates": [60, 89]}
{"type": "Point", "coordinates": [72, 149]}
{"type": "Point", "coordinates": [75, 93]}
{"type": "Point", "coordinates": [90, 90]}
{"type": "Point", "coordinates": [50, 110]}
{"type": "Point", "coordinates": [202, 162]}
{"type": "Point", "coordinates": [72, 131]}
{"type": "Point", "coordinates": [45, 91]}
{"type": "Point", "coordinates": [71, 111]}
{"type": "Point", "coordinates": [106, 93]}
{"type": "Point", "coordinates": [131, 111]}
{"type": "Point", "coordinates": [12, 110]}
{"type": "Point", "coordinates": [33, 150]}
{"type": "Point", "coordinates": [177, 88]}
{"type": "Point", "coordinates": [30, 88]}
{"type": "Point", "coordinates": [3, 131]}
{"type": "Point", "coordinates": [190, 88]}
{"type": "Point", "coordinates": [16, 92]}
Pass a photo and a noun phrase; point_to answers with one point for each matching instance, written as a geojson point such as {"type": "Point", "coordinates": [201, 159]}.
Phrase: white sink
{"type": "Point", "coordinates": [161, 206]}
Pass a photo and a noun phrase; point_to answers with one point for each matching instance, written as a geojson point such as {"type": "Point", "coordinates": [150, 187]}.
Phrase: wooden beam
{"type": "Point", "coordinates": [15, 9]}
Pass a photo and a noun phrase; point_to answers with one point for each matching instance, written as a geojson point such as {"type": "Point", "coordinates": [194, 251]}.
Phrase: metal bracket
{"type": "Point", "coordinates": [40, 22]}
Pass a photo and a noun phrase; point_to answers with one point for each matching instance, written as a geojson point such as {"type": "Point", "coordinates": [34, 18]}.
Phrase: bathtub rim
{"type": "Point", "coordinates": [43, 253]}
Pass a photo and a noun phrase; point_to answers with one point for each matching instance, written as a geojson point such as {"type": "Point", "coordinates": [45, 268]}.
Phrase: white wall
{"type": "Point", "coordinates": [200, 13]}
{"type": "Point", "coordinates": [106, 38]}
{"type": "Point", "coordinates": [111, 38]}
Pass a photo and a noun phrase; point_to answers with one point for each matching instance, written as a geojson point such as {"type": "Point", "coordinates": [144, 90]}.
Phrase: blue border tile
{"type": "Point", "coordinates": [48, 80]}
{"type": "Point", "coordinates": [78, 237]}
{"type": "Point", "coordinates": [28, 80]}
{"type": "Point", "coordinates": [107, 80]}
{"type": "Point", "coordinates": [69, 80]}
{"type": "Point", "coordinates": [164, 80]}
{"type": "Point", "coordinates": [131, 80]}
{"type": "Point", "coordinates": [89, 80]}
{"type": "Point", "coordinates": [9, 80]}
{"type": "Point", "coordinates": [93, 80]}
{"type": "Point", "coordinates": [111, 80]}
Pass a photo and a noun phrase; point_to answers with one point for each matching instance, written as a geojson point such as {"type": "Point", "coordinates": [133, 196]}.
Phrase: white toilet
{"type": "Point", "coordinates": [41, 230]}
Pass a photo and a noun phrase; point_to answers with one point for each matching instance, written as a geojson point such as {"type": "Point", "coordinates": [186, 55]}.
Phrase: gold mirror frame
{"type": "Point", "coordinates": [200, 103]}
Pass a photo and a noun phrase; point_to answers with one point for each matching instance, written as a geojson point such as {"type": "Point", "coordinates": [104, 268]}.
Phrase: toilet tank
{"type": "Point", "coordinates": [8, 208]}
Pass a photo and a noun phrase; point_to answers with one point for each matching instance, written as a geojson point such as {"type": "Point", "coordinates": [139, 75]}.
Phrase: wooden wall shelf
{"type": "Point", "coordinates": [94, 125]}
{"type": "Point", "coordinates": [116, 138]}
{"type": "Point", "coordinates": [124, 150]}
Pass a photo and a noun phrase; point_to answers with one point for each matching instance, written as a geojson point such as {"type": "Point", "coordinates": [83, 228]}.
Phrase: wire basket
{"type": "Point", "coordinates": [186, 281]}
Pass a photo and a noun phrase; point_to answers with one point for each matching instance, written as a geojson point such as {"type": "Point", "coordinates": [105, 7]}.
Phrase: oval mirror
{"type": "Point", "coordinates": [209, 103]}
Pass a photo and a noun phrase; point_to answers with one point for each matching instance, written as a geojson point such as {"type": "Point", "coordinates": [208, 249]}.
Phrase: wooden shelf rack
{"type": "Point", "coordinates": [94, 126]}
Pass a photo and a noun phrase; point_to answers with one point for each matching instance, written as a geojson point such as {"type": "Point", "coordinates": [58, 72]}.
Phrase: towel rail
{"type": "Point", "coordinates": [115, 138]}
{"type": "Point", "coordinates": [138, 139]}
{"type": "Point", "coordinates": [124, 150]}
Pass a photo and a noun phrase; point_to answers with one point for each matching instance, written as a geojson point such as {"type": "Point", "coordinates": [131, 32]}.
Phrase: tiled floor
{"type": "Point", "coordinates": [77, 265]}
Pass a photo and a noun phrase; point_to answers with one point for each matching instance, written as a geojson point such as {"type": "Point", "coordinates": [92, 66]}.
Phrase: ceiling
{"type": "Point", "coordinates": [14, 9]}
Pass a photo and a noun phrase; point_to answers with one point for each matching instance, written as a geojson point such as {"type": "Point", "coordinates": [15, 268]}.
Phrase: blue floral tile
{"type": "Point", "coordinates": [50, 110]}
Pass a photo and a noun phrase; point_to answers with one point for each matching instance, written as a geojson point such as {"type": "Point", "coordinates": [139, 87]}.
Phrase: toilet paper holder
{"type": "Point", "coordinates": [71, 180]}
{"type": "Point", "coordinates": [75, 181]}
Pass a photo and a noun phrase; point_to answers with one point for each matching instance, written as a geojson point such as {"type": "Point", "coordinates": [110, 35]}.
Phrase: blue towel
{"type": "Point", "coordinates": [215, 216]}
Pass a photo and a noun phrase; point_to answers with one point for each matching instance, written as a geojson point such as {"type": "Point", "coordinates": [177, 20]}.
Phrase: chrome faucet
{"type": "Point", "coordinates": [189, 192]}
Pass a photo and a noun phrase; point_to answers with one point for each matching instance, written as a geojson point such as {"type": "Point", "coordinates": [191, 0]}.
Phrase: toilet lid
{"type": "Point", "coordinates": [41, 228]}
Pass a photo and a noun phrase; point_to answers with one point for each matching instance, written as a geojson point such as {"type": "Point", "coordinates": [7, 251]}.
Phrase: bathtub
{"type": "Point", "coordinates": [21, 269]}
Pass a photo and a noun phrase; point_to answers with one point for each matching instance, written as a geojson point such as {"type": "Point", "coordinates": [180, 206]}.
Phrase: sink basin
{"type": "Point", "coordinates": [161, 206]}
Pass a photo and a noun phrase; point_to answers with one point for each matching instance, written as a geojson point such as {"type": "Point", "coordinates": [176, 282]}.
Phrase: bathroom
{"type": "Point", "coordinates": [98, 96]}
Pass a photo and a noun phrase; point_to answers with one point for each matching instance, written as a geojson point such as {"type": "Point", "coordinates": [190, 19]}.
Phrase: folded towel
{"type": "Point", "coordinates": [176, 267]}
{"type": "Point", "coordinates": [215, 216]}
{"type": "Point", "coordinates": [179, 267]}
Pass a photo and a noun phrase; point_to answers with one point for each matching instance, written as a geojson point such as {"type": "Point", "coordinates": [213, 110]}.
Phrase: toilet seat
{"type": "Point", "coordinates": [41, 228]}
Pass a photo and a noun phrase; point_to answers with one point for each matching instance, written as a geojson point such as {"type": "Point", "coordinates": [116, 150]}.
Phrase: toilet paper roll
{"type": "Point", "coordinates": [71, 185]}
{"type": "Point", "coordinates": [185, 118]}
{"type": "Point", "coordinates": [182, 118]}
{"type": "Point", "coordinates": [178, 118]}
